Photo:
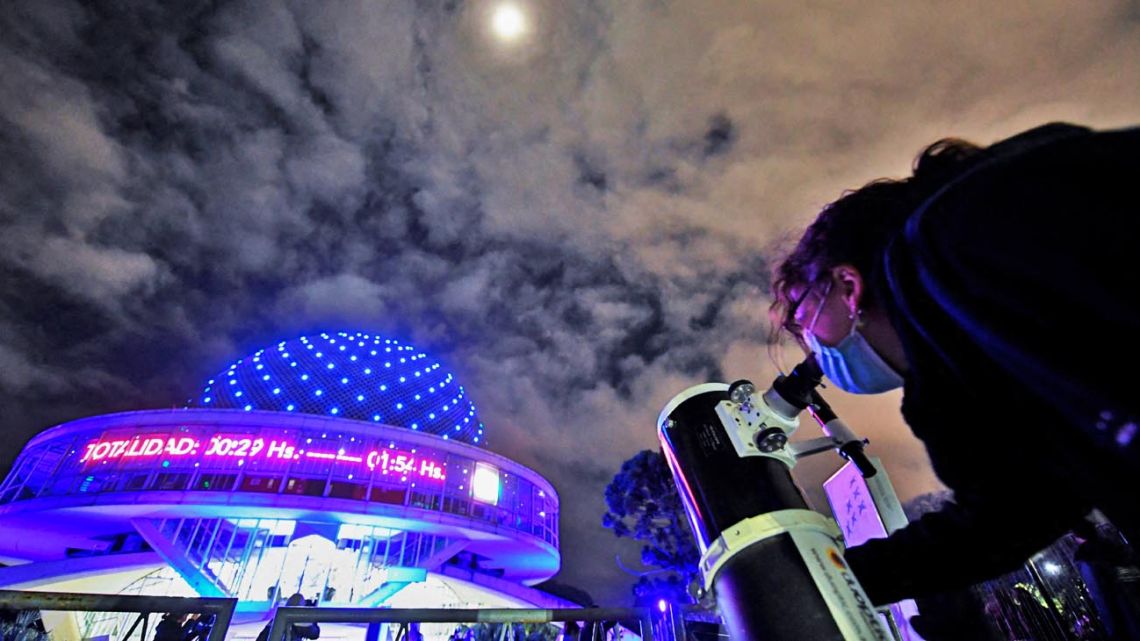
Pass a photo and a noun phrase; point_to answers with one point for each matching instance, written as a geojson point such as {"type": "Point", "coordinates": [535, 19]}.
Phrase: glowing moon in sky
{"type": "Point", "coordinates": [508, 22]}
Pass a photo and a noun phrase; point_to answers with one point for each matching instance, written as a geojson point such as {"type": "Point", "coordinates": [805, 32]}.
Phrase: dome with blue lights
{"type": "Point", "coordinates": [348, 375]}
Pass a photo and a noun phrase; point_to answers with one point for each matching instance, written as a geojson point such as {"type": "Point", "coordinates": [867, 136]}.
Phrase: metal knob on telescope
{"type": "Point", "coordinates": [771, 439]}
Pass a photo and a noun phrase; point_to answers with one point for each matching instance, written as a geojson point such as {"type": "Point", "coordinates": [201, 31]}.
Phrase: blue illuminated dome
{"type": "Point", "coordinates": [348, 375]}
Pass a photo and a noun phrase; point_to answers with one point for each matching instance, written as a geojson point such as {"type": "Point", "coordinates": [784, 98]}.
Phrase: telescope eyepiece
{"type": "Point", "coordinates": [796, 388]}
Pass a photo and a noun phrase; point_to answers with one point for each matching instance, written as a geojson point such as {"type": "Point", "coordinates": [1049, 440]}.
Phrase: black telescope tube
{"type": "Point", "coordinates": [719, 487]}
{"type": "Point", "coordinates": [766, 590]}
{"type": "Point", "coordinates": [759, 588]}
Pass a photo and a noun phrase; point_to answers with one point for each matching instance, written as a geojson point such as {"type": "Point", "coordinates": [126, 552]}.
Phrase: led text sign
{"type": "Point", "coordinates": [241, 448]}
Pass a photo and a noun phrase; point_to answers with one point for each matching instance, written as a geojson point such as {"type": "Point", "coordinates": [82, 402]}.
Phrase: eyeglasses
{"type": "Point", "coordinates": [790, 324]}
{"type": "Point", "coordinates": [793, 326]}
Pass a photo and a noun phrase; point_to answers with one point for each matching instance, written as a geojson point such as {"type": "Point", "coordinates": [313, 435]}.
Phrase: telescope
{"type": "Point", "coordinates": [775, 566]}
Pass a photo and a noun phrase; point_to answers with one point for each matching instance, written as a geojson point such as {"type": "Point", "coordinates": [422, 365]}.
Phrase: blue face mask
{"type": "Point", "coordinates": [852, 365]}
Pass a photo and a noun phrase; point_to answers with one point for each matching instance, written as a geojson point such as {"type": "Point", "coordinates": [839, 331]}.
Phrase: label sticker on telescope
{"type": "Point", "coordinates": [855, 508]}
{"type": "Point", "coordinates": [845, 598]}
{"type": "Point", "coordinates": [710, 437]}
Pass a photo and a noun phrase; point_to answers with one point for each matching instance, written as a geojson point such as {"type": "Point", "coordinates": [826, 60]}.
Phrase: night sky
{"type": "Point", "coordinates": [580, 222]}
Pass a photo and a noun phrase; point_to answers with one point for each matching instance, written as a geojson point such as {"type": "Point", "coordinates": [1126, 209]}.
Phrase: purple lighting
{"type": "Point", "coordinates": [347, 371]}
{"type": "Point", "coordinates": [389, 461]}
{"type": "Point", "coordinates": [333, 464]}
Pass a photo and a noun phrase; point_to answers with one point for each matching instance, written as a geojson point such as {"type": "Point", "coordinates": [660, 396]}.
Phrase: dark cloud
{"type": "Point", "coordinates": [720, 135]}
{"type": "Point", "coordinates": [590, 174]}
{"type": "Point", "coordinates": [581, 226]}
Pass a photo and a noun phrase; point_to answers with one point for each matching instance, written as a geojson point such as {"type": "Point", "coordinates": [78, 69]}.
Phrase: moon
{"type": "Point", "coordinates": [508, 22]}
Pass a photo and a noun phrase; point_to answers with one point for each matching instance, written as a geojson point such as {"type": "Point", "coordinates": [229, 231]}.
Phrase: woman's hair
{"type": "Point", "coordinates": [857, 228]}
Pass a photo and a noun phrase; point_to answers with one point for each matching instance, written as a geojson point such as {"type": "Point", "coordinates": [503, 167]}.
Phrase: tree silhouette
{"type": "Point", "coordinates": [643, 505]}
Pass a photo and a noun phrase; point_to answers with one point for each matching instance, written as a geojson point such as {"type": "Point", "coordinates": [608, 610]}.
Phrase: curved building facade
{"type": "Point", "coordinates": [356, 376]}
{"type": "Point", "coordinates": [346, 467]}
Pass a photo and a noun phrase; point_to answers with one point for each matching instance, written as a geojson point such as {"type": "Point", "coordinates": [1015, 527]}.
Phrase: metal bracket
{"type": "Point", "coordinates": [755, 430]}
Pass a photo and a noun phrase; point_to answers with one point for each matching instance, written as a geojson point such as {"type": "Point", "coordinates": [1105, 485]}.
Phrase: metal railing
{"type": "Point", "coordinates": [286, 616]}
{"type": "Point", "coordinates": [221, 609]}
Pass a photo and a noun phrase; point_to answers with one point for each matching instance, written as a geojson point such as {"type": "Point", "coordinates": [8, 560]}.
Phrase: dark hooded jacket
{"type": "Point", "coordinates": [1015, 290]}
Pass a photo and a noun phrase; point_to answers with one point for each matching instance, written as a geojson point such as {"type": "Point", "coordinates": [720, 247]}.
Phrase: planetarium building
{"type": "Point", "coordinates": [348, 467]}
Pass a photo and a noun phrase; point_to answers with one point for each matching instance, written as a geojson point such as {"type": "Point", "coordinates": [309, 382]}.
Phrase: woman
{"type": "Point", "coordinates": [986, 286]}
